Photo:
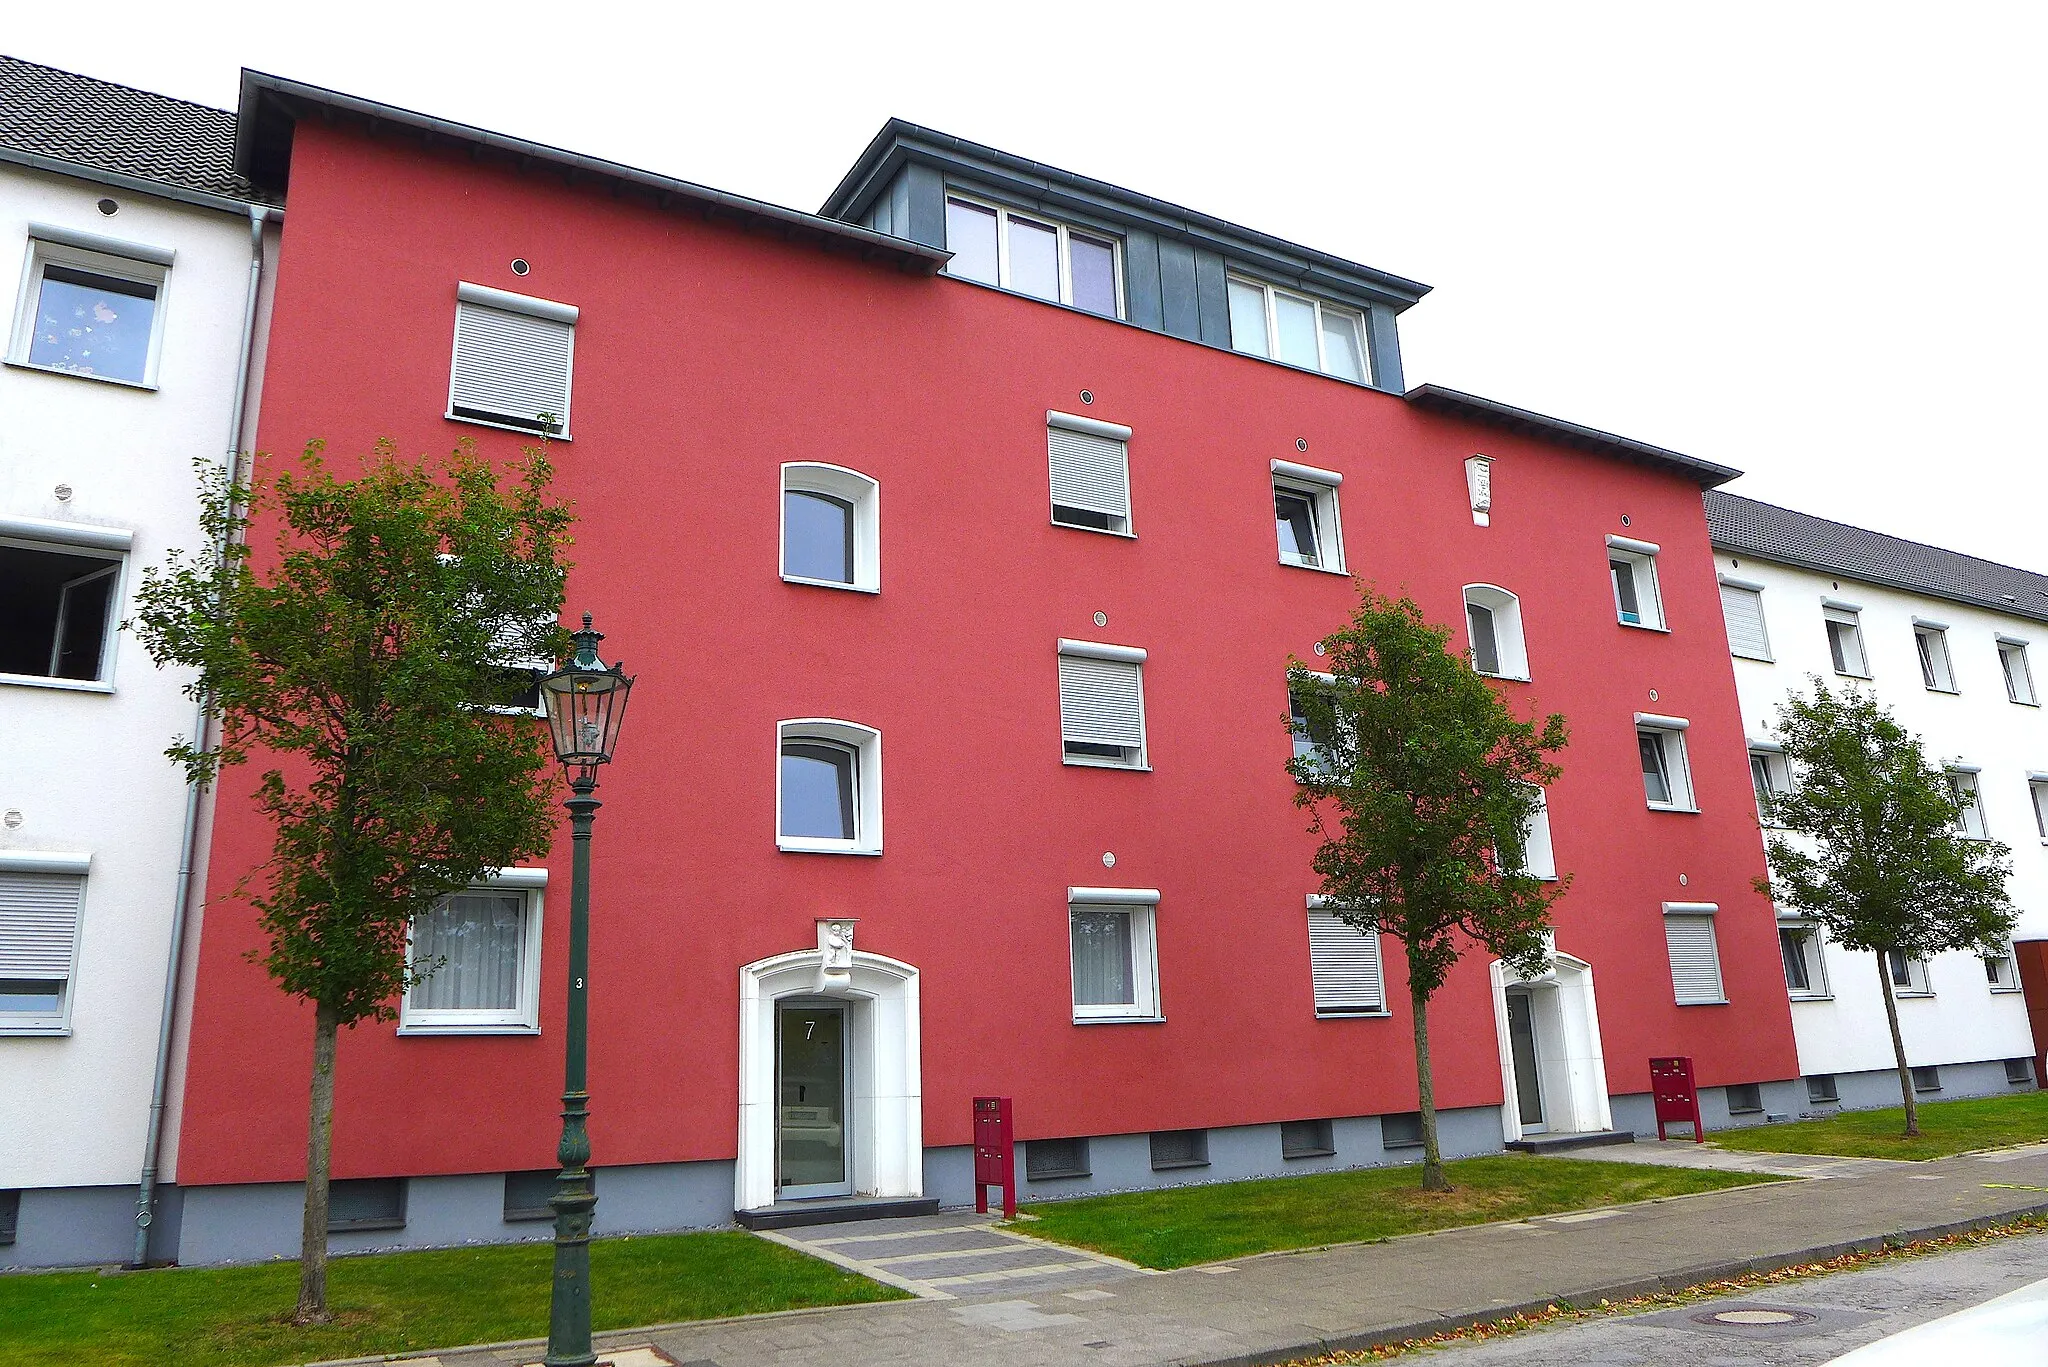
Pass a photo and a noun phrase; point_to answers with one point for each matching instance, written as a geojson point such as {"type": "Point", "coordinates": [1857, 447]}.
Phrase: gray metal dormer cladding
{"type": "Point", "coordinates": [1176, 263]}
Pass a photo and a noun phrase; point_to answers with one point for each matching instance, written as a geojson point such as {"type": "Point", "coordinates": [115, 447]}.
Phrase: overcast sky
{"type": "Point", "coordinates": [1807, 241]}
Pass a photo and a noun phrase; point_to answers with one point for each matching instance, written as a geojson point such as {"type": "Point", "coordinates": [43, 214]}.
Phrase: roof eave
{"type": "Point", "coordinates": [1793, 560]}
{"type": "Point", "coordinates": [142, 185]}
{"type": "Point", "coordinates": [1437, 398]}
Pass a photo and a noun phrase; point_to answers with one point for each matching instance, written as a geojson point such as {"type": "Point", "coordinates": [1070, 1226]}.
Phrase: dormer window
{"type": "Point", "coordinates": [1283, 326]}
{"type": "Point", "coordinates": [1032, 255]}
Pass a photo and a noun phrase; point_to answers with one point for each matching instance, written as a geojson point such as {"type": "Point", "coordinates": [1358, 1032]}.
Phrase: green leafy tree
{"type": "Point", "coordinates": [1882, 864]}
{"type": "Point", "coordinates": [356, 658]}
{"type": "Point", "coordinates": [1422, 783]}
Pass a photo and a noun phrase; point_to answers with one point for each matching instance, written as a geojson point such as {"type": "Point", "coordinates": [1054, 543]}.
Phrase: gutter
{"type": "Point", "coordinates": [145, 1198]}
{"type": "Point", "coordinates": [121, 180]}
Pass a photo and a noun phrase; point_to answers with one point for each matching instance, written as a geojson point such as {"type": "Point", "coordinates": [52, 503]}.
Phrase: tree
{"type": "Point", "coordinates": [352, 658]}
{"type": "Point", "coordinates": [1884, 866]}
{"type": "Point", "coordinates": [1422, 783]}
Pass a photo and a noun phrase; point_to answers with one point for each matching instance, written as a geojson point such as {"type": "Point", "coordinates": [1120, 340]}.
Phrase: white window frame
{"type": "Point", "coordinates": [1779, 772]}
{"type": "Point", "coordinates": [2013, 651]}
{"type": "Point", "coordinates": [866, 743]}
{"type": "Point", "coordinates": [864, 492]}
{"type": "Point", "coordinates": [522, 1019]}
{"type": "Point", "coordinates": [1930, 648]}
{"type": "Point", "coordinates": [1964, 783]}
{"type": "Point", "coordinates": [1539, 854]}
{"type": "Point", "coordinates": [2007, 981]}
{"type": "Point", "coordinates": [136, 262]}
{"type": "Point", "coordinates": [77, 866]}
{"type": "Point", "coordinates": [2037, 792]}
{"type": "Point", "coordinates": [1510, 644]}
{"type": "Point", "coordinates": [1319, 487]}
{"type": "Point", "coordinates": [1120, 655]}
{"type": "Point", "coordinates": [1140, 907]}
{"type": "Point", "coordinates": [1730, 584]}
{"type": "Point", "coordinates": [1817, 988]}
{"type": "Point", "coordinates": [1847, 615]}
{"type": "Point", "coordinates": [111, 544]}
{"type": "Point", "coordinates": [1318, 904]}
{"type": "Point", "coordinates": [1271, 292]}
{"type": "Point", "coordinates": [1641, 556]}
{"type": "Point", "coordinates": [1677, 766]}
{"type": "Point", "coordinates": [1708, 912]}
{"type": "Point", "coordinates": [1004, 213]}
{"type": "Point", "coordinates": [1917, 983]}
{"type": "Point", "coordinates": [1106, 431]}
{"type": "Point", "coordinates": [547, 310]}
{"type": "Point", "coordinates": [1303, 745]}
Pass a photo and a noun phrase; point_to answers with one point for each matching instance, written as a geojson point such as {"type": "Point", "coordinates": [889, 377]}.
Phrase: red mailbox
{"type": "Point", "coordinates": [995, 1153]}
{"type": "Point", "coordinates": [1678, 1096]}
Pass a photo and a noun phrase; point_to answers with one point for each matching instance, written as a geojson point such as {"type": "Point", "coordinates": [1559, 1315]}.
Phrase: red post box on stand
{"type": "Point", "coordinates": [1677, 1095]}
{"type": "Point", "coordinates": [995, 1153]}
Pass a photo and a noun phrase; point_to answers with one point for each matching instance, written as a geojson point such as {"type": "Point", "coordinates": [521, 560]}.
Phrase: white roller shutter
{"type": "Point", "coordinates": [1344, 965]}
{"type": "Point", "coordinates": [1102, 702]}
{"type": "Point", "coordinates": [39, 924]}
{"type": "Point", "coordinates": [511, 367]}
{"type": "Point", "coordinates": [1695, 964]}
{"type": "Point", "coordinates": [1090, 472]}
{"type": "Point", "coordinates": [1744, 611]}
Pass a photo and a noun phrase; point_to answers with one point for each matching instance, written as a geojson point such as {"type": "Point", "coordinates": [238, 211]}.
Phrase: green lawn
{"type": "Point", "coordinates": [1946, 1127]}
{"type": "Point", "coordinates": [397, 1302]}
{"type": "Point", "coordinates": [1181, 1226]}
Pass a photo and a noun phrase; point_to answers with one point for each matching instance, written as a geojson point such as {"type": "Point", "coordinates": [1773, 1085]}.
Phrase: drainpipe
{"type": "Point", "coordinates": [145, 1197]}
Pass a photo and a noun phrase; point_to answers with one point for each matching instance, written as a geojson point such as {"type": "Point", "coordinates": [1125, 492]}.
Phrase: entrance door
{"type": "Point", "coordinates": [811, 1094]}
{"type": "Point", "coordinates": [1522, 1044]}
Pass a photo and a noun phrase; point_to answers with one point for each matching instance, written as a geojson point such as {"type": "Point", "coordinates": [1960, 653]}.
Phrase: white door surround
{"type": "Point", "coordinates": [1568, 1053]}
{"type": "Point", "coordinates": [886, 1107]}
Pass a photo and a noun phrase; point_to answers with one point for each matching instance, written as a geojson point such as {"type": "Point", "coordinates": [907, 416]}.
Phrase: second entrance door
{"type": "Point", "coordinates": [811, 1096]}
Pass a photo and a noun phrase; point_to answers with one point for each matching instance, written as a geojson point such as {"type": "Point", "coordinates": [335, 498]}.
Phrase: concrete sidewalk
{"type": "Point", "coordinates": [1278, 1306]}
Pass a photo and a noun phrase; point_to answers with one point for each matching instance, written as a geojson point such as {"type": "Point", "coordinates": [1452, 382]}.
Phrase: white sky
{"type": "Point", "coordinates": [1803, 240]}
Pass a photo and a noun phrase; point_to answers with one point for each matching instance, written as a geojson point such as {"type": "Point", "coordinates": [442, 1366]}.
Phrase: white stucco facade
{"type": "Point", "coordinates": [94, 466]}
{"type": "Point", "coordinates": [1972, 725]}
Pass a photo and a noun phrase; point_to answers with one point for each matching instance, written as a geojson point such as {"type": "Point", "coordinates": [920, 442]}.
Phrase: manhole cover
{"type": "Point", "coordinates": [1754, 1318]}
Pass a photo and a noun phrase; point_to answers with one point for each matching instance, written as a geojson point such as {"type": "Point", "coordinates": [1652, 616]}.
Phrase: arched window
{"type": "Point", "coordinates": [831, 527]}
{"type": "Point", "coordinates": [828, 787]}
{"type": "Point", "coordinates": [1493, 623]}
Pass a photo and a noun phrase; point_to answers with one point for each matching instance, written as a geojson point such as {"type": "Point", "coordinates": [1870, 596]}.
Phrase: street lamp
{"type": "Point", "coordinates": [585, 701]}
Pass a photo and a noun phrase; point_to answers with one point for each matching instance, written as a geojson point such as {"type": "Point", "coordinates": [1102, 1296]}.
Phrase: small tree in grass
{"type": "Point", "coordinates": [1422, 783]}
{"type": "Point", "coordinates": [354, 658]}
{"type": "Point", "coordinates": [1884, 866]}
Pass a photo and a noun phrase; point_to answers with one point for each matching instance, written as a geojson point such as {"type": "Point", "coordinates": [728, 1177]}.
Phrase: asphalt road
{"type": "Point", "coordinates": [1833, 1314]}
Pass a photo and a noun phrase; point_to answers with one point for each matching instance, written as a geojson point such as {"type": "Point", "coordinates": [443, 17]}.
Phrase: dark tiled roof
{"type": "Point", "coordinates": [60, 118]}
{"type": "Point", "coordinates": [1744, 526]}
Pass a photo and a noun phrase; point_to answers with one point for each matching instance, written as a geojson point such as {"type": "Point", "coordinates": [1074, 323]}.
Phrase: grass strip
{"type": "Point", "coordinates": [1946, 1128]}
{"type": "Point", "coordinates": [1181, 1226]}
{"type": "Point", "coordinates": [398, 1302]}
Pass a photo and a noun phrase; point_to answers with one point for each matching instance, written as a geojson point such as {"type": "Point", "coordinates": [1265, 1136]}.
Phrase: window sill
{"type": "Point", "coordinates": [1119, 1020]}
{"type": "Point", "coordinates": [1063, 1175]}
{"type": "Point", "coordinates": [1951, 692]}
{"type": "Point", "coordinates": [1185, 1163]}
{"type": "Point", "coordinates": [2022, 702]}
{"type": "Point", "coordinates": [2013, 991]}
{"type": "Point", "coordinates": [1717, 1001]}
{"type": "Point", "coordinates": [1401, 1144]}
{"type": "Point", "coordinates": [523, 431]}
{"type": "Point", "coordinates": [420, 1031]}
{"type": "Point", "coordinates": [1503, 678]}
{"type": "Point", "coordinates": [1309, 1153]}
{"type": "Point", "coordinates": [1644, 626]}
{"type": "Point", "coordinates": [1845, 674]}
{"type": "Point", "coordinates": [365, 1226]}
{"type": "Point", "coordinates": [1377, 1014]}
{"type": "Point", "coordinates": [1337, 570]}
{"type": "Point", "coordinates": [1811, 996]}
{"type": "Point", "coordinates": [143, 385]}
{"type": "Point", "coordinates": [1901, 994]}
{"type": "Point", "coordinates": [520, 1217]}
{"type": "Point", "coordinates": [62, 685]}
{"type": "Point", "coordinates": [795, 847]}
{"type": "Point", "coordinates": [1036, 299]}
{"type": "Point", "coordinates": [1672, 807]}
{"type": "Point", "coordinates": [1093, 531]}
{"type": "Point", "coordinates": [35, 1031]}
{"type": "Point", "coordinates": [842, 586]}
{"type": "Point", "coordinates": [1760, 659]}
{"type": "Point", "coordinates": [1080, 762]}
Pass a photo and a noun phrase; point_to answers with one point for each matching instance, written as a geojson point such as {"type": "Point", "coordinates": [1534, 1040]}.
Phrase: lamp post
{"type": "Point", "coordinates": [586, 701]}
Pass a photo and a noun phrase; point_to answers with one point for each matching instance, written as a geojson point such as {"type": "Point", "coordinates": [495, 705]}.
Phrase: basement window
{"type": "Point", "coordinates": [1927, 1079]}
{"type": "Point", "coordinates": [1307, 1139]}
{"type": "Point", "coordinates": [1745, 1098]}
{"type": "Point", "coordinates": [366, 1203]}
{"type": "Point", "coordinates": [1049, 1158]}
{"type": "Point", "coordinates": [1402, 1130]}
{"type": "Point", "coordinates": [1179, 1149]}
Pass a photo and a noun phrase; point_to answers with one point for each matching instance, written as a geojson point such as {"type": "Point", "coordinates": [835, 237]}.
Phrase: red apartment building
{"type": "Point", "coordinates": [993, 501]}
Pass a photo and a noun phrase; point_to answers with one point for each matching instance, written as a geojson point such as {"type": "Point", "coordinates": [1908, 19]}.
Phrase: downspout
{"type": "Point", "coordinates": [145, 1197]}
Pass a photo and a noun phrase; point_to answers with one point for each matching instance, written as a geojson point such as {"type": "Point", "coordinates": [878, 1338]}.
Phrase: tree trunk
{"type": "Point", "coordinates": [1891, 1015]}
{"type": "Point", "coordinates": [1433, 1178]}
{"type": "Point", "coordinates": [319, 1156]}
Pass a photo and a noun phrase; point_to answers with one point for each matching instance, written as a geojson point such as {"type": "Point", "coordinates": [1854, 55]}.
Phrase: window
{"type": "Point", "coordinates": [1805, 973]}
{"type": "Point", "coordinates": [1307, 1139]}
{"type": "Point", "coordinates": [1034, 256]}
{"type": "Point", "coordinates": [1845, 641]}
{"type": "Point", "coordinates": [1305, 516]}
{"type": "Point", "coordinates": [1742, 608]}
{"type": "Point", "coordinates": [1821, 1089]}
{"type": "Point", "coordinates": [1044, 1158]}
{"type": "Point", "coordinates": [2001, 973]}
{"type": "Point", "coordinates": [1633, 567]}
{"type": "Point", "coordinates": [1179, 1149]}
{"type": "Point", "coordinates": [366, 1203]}
{"type": "Point", "coordinates": [2019, 678]}
{"type": "Point", "coordinates": [1089, 463]}
{"type": "Point", "coordinates": [1538, 859]}
{"type": "Point", "coordinates": [1493, 623]}
{"type": "Point", "coordinates": [1308, 744]}
{"type": "Point", "coordinates": [1345, 972]}
{"type": "Point", "coordinates": [1772, 779]}
{"type": "Point", "coordinates": [1402, 1130]}
{"type": "Point", "coordinates": [1931, 643]}
{"type": "Point", "coordinates": [41, 899]}
{"type": "Point", "coordinates": [1927, 1079]}
{"type": "Point", "coordinates": [828, 789]}
{"type": "Point", "coordinates": [527, 1193]}
{"type": "Point", "coordinates": [57, 602]}
{"type": "Point", "coordinates": [1667, 778]}
{"type": "Point", "coordinates": [1744, 1098]}
{"type": "Point", "coordinates": [1695, 959]}
{"type": "Point", "coordinates": [1102, 705]}
{"type": "Point", "coordinates": [1110, 938]}
{"type": "Point", "coordinates": [514, 356]}
{"type": "Point", "coordinates": [481, 951]}
{"type": "Point", "coordinates": [1962, 786]}
{"type": "Point", "coordinates": [831, 527]}
{"type": "Point", "coordinates": [1283, 326]}
{"type": "Point", "coordinates": [1909, 975]}
{"type": "Point", "coordinates": [2037, 788]}
{"type": "Point", "coordinates": [91, 306]}
{"type": "Point", "coordinates": [2019, 1071]}
{"type": "Point", "coordinates": [10, 1215]}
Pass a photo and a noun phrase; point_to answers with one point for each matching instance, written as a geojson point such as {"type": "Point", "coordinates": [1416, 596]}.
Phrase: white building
{"type": "Point", "coordinates": [1953, 645]}
{"type": "Point", "coordinates": [131, 255]}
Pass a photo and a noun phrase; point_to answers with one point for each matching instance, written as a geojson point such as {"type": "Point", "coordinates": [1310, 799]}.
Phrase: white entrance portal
{"type": "Point", "coordinates": [1549, 1030]}
{"type": "Point", "coordinates": [883, 1109]}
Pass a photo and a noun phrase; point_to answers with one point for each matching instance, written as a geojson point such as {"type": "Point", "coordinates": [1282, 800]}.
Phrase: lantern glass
{"type": "Point", "coordinates": [586, 703]}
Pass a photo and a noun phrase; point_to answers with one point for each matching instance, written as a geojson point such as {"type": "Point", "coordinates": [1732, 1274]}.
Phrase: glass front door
{"type": "Point", "coordinates": [811, 1092]}
{"type": "Point", "coordinates": [1522, 1045]}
